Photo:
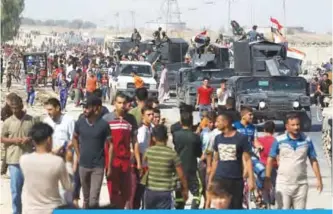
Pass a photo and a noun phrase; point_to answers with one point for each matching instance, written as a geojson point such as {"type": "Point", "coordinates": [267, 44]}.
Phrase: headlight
{"type": "Point", "coordinates": [262, 104]}
{"type": "Point", "coordinates": [295, 104]}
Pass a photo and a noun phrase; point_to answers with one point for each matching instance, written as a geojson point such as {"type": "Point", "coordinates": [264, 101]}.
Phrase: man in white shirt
{"type": "Point", "coordinates": [222, 95]}
{"type": "Point", "coordinates": [42, 172]}
{"type": "Point", "coordinates": [63, 126]}
{"type": "Point", "coordinates": [144, 141]}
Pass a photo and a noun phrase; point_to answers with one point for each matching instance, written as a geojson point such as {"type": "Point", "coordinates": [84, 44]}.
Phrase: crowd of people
{"type": "Point", "coordinates": [220, 160]}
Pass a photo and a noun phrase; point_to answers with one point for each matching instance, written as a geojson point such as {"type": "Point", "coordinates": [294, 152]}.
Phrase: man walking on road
{"type": "Point", "coordinates": [14, 135]}
{"type": "Point", "coordinates": [63, 129]}
{"type": "Point", "coordinates": [293, 149]}
{"type": "Point", "coordinates": [162, 162]}
{"type": "Point", "coordinates": [118, 154]}
{"type": "Point", "coordinates": [188, 147]}
{"type": "Point", "coordinates": [92, 132]}
{"type": "Point", "coordinates": [231, 149]}
{"type": "Point", "coordinates": [205, 99]}
{"type": "Point", "coordinates": [42, 193]}
{"type": "Point", "coordinates": [141, 96]}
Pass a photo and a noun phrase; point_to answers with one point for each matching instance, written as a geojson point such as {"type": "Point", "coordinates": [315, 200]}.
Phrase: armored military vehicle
{"type": "Point", "coordinates": [257, 58]}
{"type": "Point", "coordinates": [190, 79]}
{"type": "Point", "coordinates": [124, 44]}
{"type": "Point", "coordinates": [172, 54]}
{"type": "Point", "coordinates": [272, 97]}
{"type": "Point", "coordinates": [216, 55]}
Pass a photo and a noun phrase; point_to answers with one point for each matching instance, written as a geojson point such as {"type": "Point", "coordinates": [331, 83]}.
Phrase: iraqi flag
{"type": "Point", "coordinates": [201, 38]}
{"type": "Point", "coordinates": [296, 54]}
{"type": "Point", "coordinates": [276, 24]}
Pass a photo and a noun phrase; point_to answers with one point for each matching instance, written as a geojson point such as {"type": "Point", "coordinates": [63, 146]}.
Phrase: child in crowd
{"type": "Point", "coordinates": [219, 196]}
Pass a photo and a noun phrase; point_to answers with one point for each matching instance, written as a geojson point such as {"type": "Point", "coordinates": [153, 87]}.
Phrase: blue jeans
{"type": "Point", "coordinates": [31, 97]}
{"type": "Point", "coordinates": [204, 108]}
{"type": "Point", "coordinates": [16, 185]}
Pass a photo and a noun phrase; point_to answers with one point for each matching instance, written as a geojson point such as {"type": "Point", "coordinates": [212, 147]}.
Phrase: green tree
{"type": "Point", "coordinates": [10, 18]}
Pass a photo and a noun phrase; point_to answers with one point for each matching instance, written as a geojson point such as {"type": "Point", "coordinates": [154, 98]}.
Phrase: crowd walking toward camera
{"type": "Point", "coordinates": [220, 161]}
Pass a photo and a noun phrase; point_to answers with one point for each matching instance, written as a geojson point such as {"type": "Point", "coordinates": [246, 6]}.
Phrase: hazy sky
{"type": "Point", "coordinates": [313, 15]}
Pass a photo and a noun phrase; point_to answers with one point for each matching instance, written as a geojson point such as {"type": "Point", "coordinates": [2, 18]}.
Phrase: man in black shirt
{"type": "Point", "coordinates": [230, 149]}
{"type": "Point", "coordinates": [324, 89]}
{"type": "Point", "coordinates": [188, 147]}
{"type": "Point", "coordinates": [182, 108]}
{"type": "Point", "coordinates": [92, 133]}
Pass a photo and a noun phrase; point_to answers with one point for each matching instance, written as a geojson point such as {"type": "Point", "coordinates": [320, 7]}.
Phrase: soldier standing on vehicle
{"type": "Point", "coordinates": [136, 37]}
{"type": "Point", "coordinates": [157, 35]}
{"type": "Point", "coordinates": [293, 149]}
{"type": "Point", "coordinates": [165, 38]}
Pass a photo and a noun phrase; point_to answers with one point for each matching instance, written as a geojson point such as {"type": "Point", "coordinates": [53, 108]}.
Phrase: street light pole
{"type": "Point", "coordinates": [284, 17]}
{"type": "Point", "coordinates": [229, 14]}
{"type": "Point", "coordinates": [133, 18]}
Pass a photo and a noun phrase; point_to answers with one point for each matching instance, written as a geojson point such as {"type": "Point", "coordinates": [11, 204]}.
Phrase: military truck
{"type": "Point", "coordinates": [256, 58]}
{"type": "Point", "coordinates": [217, 56]}
{"type": "Point", "coordinates": [124, 44]}
{"type": "Point", "coordinates": [172, 54]}
{"type": "Point", "coordinates": [190, 79]}
{"type": "Point", "coordinates": [272, 97]}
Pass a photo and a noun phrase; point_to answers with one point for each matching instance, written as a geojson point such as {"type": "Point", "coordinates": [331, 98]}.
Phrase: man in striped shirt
{"type": "Point", "coordinates": [162, 162]}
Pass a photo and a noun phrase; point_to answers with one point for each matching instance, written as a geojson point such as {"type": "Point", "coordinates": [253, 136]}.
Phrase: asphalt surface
{"type": "Point", "coordinates": [171, 113]}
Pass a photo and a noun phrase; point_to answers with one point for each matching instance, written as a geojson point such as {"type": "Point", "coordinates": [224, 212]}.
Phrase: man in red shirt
{"type": "Point", "coordinates": [123, 132]}
{"type": "Point", "coordinates": [205, 99]}
{"type": "Point", "coordinates": [264, 145]}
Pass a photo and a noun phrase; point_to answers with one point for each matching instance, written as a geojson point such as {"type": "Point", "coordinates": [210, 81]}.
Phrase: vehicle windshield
{"type": "Point", "coordinates": [285, 84]}
{"type": "Point", "coordinates": [141, 70]}
{"type": "Point", "coordinates": [196, 75]}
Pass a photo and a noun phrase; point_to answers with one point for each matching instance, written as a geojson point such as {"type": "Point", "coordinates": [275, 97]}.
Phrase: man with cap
{"type": "Point", "coordinates": [92, 133]}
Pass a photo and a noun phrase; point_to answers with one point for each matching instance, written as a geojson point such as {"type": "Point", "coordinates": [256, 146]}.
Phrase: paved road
{"type": "Point", "coordinates": [315, 200]}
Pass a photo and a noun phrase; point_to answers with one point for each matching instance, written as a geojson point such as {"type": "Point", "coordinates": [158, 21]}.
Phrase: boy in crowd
{"type": "Point", "coordinates": [162, 162]}
{"type": "Point", "coordinates": [220, 198]}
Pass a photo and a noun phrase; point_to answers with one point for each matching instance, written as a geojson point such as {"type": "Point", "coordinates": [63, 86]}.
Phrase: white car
{"type": "Point", "coordinates": [125, 82]}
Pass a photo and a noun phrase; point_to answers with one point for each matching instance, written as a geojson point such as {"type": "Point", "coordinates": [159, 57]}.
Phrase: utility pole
{"type": "Point", "coordinates": [133, 18]}
{"type": "Point", "coordinates": [252, 12]}
{"type": "Point", "coordinates": [229, 14]}
{"type": "Point", "coordinates": [284, 17]}
{"type": "Point", "coordinates": [116, 15]}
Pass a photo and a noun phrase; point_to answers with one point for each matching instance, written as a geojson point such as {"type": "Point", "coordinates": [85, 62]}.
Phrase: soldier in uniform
{"type": "Point", "coordinates": [136, 37]}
